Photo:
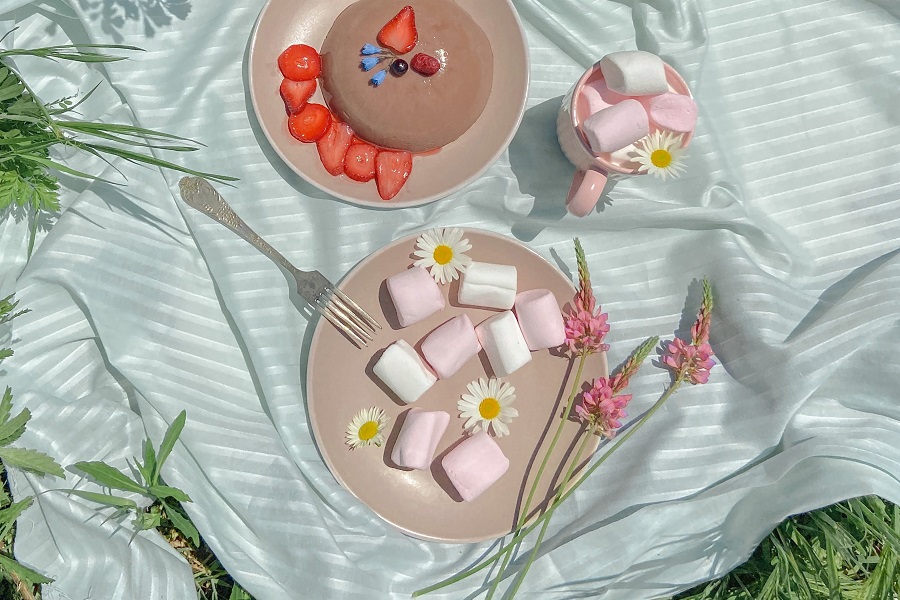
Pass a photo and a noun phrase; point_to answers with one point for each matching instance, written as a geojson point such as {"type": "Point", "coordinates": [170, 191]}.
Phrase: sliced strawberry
{"type": "Point", "coordinates": [333, 146]}
{"type": "Point", "coordinates": [300, 63]}
{"type": "Point", "coordinates": [359, 164]}
{"type": "Point", "coordinates": [400, 33]}
{"type": "Point", "coordinates": [296, 94]}
{"type": "Point", "coordinates": [424, 64]}
{"type": "Point", "coordinates": [392, 171]}
{"type": "Point", "coordinates": [311, 123]}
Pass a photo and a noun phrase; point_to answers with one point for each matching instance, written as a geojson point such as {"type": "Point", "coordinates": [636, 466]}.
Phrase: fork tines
{"type": "Point", "coordinates": [347, 316]}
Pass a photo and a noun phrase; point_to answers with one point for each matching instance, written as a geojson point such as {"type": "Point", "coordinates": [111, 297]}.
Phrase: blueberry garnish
{"type": "Point", "coordinates": [399, 67]}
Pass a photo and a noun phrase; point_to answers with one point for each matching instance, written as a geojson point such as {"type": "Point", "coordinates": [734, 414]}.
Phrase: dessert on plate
{"type": "Point", "coordinates": [398, 80]}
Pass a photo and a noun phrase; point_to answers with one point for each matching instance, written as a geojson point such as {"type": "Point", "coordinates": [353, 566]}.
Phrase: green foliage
{"type": "Point", "coordinates": [149, 483]}
{"type": "Point", "coordinates": [847, 551]}
{"type": "Point", "coordinates": [29, 129]}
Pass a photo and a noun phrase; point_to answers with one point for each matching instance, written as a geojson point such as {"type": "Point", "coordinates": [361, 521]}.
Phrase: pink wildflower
{"type": "Point", "coordinates": [694, 360]}
{"type": "Point", "coordinates": [586, 326]}
{"type": "Point", "coordinates": [601, 410]}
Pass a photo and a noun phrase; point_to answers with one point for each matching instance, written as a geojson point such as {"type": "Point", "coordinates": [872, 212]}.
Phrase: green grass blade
{"type": "Point", "coordinates": [168, 443]}
{"type": "Point", "coordinates": [110, 477]}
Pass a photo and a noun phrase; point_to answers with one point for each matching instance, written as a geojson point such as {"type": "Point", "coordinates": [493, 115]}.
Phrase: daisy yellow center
{"type": "Point", "coordinates": [443, 254]}
{"type": "Point", "coordinates": [368, 430]}
{"type": "Point", "coordinates": [661, 158]}
{"type": "Point", "coordinates": [489, 408]}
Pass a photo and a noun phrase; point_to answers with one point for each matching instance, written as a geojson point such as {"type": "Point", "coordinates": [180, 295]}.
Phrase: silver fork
{"type": "Point", "coordinates": [321, 294]}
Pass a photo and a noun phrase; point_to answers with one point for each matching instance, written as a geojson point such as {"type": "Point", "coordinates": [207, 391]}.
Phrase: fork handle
{"type": "Point", "coordinates": [199, 194]}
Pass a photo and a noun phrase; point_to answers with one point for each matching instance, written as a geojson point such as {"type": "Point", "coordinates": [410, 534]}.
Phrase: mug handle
{"type": "Point", "coordinates": [585, 191]}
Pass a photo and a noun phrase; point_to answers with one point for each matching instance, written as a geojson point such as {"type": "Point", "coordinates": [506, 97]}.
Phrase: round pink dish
{"type": "Point", "coordinates": [423, 504]}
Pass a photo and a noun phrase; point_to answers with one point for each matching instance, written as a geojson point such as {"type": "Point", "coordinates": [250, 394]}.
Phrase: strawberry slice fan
{"type": "Point", "coordinates": [341, 151]}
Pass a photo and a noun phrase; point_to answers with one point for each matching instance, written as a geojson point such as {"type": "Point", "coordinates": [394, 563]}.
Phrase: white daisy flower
{"type": "Point", "coordinates": [441, 251]}
{"type": "Point", "coordinates": [661, 154]}
{"type": "Point", "coordinates": [367, 428]}
{"type": "Point", "coordinates": [488, 405]}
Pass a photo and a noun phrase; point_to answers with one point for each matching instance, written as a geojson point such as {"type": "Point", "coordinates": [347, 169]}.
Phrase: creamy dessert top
{"type": "Point", "coordinates": [411, 112]}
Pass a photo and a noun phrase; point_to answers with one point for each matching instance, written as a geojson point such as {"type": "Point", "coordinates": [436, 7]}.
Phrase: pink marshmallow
{"type": "Point", "coordinates": [540, 319]}
{"type": "Point", "coordinates": [615, 127]}
{"type": "Point", "coordinates": [475, 465]}
{"type": "Point", "coordinates": [674, 112]}
{"type": "Point", "coordinates": [415, 294]}
{"type": "Point", "coordinates": [595, 96]}
{"type": "Point", "coordinates": [418, 438]}
{"type": "Point", "coordinates": [450, 346]}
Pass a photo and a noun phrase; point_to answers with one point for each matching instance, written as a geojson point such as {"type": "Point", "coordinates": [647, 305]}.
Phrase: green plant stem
{"type": "Point", "coordinates": [522, 532]}
{"type": "Point", "coordinates": [33, 233]}
{"type": "Point", "coordinates": [588, 434]}
{"type": "Point", "coordinates": [523, 515]}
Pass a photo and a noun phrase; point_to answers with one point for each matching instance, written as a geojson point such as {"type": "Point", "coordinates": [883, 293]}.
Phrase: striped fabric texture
{"type": "Point", "coordinates": [141, 307]}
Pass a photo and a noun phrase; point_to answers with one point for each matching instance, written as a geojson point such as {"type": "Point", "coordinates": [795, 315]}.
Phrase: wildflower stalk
{"type": "Point", "coordinates": [557, 501]}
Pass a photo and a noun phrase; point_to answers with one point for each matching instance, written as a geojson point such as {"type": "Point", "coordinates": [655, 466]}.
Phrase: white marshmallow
{"type": "Point", "coordinates": [488, 285]}
{"type": "Point", "coordinates": [504, 344]}
{"type": "Point", "coordinates": [402, 370]}
{"type": "Point", "coordinates": [634, 73]}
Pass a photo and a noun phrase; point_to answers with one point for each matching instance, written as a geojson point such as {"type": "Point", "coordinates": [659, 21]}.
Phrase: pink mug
{"type": "Point", "coordinates": [594, 169]}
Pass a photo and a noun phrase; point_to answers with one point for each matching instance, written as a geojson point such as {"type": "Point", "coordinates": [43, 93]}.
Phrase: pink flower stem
{"type": "Point", "coordinates": [523, 515]}
{"type": "Point", "coordinates": [544, 517]}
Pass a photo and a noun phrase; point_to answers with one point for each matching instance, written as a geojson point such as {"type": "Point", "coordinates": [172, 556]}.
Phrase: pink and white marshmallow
{"type": "Point", "coordinates": [634, 73]}
{"type": "Point", "coordinates": [674, 112]}
{"type": "Point", "coordinates": [450, 346]}
{"type": "Point", "coordinates": [504, 344]}
{"type": "Point", "coordinates": [488, 285]}
{"type": "Point", "coordinates": [617, 126]}
{"type": "Point", "coordinates": [415, 294]}
{"type": "Point", "coordinates": [540, 319]}
{"type": "Point", "coordinates": [475, 465]}
{"type": "Point", "coordinates": [402, 370]}
{"type": "Point", "coordinates": [418, 438]}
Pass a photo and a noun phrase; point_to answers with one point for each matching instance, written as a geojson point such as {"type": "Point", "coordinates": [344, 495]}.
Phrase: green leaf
{"type": "Point", "coordinates": [10, 565]}
{"type": "Point", "coordinates": [164, 491]}
{"type": "Point", "coordinates": [147, 520]}
{"type": "Point", "coordinates": [110, 477]}
{"type": "Point", "coordinates": [104, 499]}
{"type": "Point", "coordinates": [145, 473]}
{"type": "Point", "coordinates": [168, 443]}
{"type": "Point", "coordinates": [150, 463]}
{"type": "Point", "coordinates": [6, 404]}
{"type": "Point", "coordinates": [12, 429]}
{"type": "Point", "coordinates": [9, 515]}
{"type": "Point", "coordinates": [31, 460]}
{"type": "Point", "coordinates": [5, 353]}
{"type": "Point", "coordinates": [182, 524]}
{"type": "Point", "coordinates": [238, 593]}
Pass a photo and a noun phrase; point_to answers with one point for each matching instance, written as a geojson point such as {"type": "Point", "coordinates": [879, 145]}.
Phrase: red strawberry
{"type": "Point", "coordinates": [400, 33]}
{"type": "Point", "coordinates": [333, 146]}
{"type": "Point", "coordinates": [296, 94]}
{"type": "Point", "coordinates": [359, 164]}
{"type": "Point", "coordinates": [424, 64]}
{"type": "Point", "coordinates": [392, 171]}
{"type": "Point", "coordinates": [300, 63]}
{"type": "Point", "coordinates": [311, 123]}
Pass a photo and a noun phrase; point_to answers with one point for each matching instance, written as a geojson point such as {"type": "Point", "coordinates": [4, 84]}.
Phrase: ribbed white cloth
{"type": "Point", "coordinates": [142, 308]}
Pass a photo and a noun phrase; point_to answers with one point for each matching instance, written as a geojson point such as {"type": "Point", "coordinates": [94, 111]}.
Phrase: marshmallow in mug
{"type": "Point", "coordinates": [673, 112]}
{"type": "Point", "coordinates": [401, 369]}
{"type": "Point", "coordinates": [415, 295]}
{"type": "Point", "coordinates": [475, 465]}
{"type": "Point", "coordinates": [540, 319]}
{"type": "Point", "coordinates": [634, 73]}
{"type": "Point", "coordinates": [488, 285]}
{"type": "Point", "coordinates": [450, 346]}
{"type": "Point", "coordinates": [616, 126]}
{"type": "Point", "coordinates": [419, 437]}
{"type": "Point", "coordinates": [503, 343]}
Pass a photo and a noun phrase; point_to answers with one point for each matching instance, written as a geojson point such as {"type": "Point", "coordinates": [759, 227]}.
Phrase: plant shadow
{"type": "Point", "coordinates": [153, 14]}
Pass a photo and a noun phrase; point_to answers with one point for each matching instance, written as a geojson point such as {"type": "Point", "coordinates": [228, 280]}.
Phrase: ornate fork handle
{"type": "Point", "coordinates": [198, 193]}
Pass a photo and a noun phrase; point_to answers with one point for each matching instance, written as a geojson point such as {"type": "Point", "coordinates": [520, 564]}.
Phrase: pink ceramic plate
{"type": "Point", "coordinates": [340, 383]}
{"type": "Point", "coordinates": [285, 22]}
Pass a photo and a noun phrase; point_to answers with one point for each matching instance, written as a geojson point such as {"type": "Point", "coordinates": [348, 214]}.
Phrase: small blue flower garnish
{"type": "Point", "coordinates": [378, 78]}
{"type": "Point", "coordinates": [369, 63]}
{"type": "Point", "coordinates": [370, 49]}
